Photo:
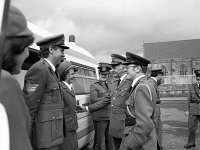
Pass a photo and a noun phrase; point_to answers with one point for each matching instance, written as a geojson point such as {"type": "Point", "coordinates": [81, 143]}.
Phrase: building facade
{"type": "Point", "coordinates": [178, 59]}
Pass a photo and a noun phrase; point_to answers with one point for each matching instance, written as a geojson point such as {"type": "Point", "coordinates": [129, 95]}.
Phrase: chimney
{"type": "Point", "coordinates": [72, 38]}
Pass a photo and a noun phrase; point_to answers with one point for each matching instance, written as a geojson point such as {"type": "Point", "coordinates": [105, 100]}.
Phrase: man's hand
{"type": "Point", "coordinates": [80, 109]}
{"type": "Point", "coordinates": [186, 113]}
{"type": "Point", "coordinates": [108, 96]}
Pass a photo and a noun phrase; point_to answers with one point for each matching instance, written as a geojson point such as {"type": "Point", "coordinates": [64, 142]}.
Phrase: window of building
{"type": "Point", "coordinates": [183, 69]}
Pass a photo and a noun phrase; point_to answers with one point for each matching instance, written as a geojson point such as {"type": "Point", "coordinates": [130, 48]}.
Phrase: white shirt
{"type": "Point", "coordinates": [50, 63]}
{"type": "Point", "coordinates": [122, 77]}
{"type": "Point", "coordinates": [68, 85]}
{"type": "Point", "coordinates": [154, 79]}
{"type": "Point", "coordinates": [136, 79]}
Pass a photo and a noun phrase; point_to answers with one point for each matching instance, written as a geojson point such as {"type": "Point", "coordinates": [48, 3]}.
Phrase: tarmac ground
{"type": "Point", "coordinates": [175, 130]}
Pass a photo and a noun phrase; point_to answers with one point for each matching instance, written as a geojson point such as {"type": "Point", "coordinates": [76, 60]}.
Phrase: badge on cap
{"type": "Point", "coordinates": [103, 68]}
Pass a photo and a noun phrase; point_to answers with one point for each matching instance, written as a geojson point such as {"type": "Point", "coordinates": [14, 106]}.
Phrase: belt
{"type": "Point", "coordinates": [195, 101]}
{"type": "Point", "coordinates": [158, 102]}
{"type": "Point", "coordinates": [118, 110]}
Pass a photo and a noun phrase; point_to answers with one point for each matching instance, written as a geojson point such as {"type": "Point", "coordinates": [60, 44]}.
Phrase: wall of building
{"type": "Point", "coordinates": [178, 59]}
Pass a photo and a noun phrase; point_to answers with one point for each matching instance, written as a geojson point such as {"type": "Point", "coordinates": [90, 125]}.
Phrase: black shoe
{"type": "Point", "coordinates": [189, 146]}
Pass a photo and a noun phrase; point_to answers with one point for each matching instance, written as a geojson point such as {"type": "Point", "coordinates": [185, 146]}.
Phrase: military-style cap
{"type": "Point", "coordinates": [155, 72]}
{"type": "Point", "coordinates": [55, 40]}
{"type": "Point", "coordinates": [197, 72]}
{"type": "Point", "coordinates": [17, 24]}
{"type": "Point", "coordinates": [117, 59]}
{"type": "Point", "coordinates": [104, 67]}
{"type": "Point", "coordinates": [135, 59]}
{"type": "Point", "coordinates": [66, 65]}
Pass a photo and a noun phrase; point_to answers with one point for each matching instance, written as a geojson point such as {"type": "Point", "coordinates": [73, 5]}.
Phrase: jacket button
{"type": "Point", "coordinates": [53, 117]}
{"type": "Point", "coordinates": [113, 97]}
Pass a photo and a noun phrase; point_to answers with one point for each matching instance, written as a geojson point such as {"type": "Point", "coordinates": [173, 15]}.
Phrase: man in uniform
{"type": "Point", "coordinates": [43, 95]}
{"type": "Point", "coordinates": [140, 105]}
{"type": "Point", "coordinates": [101, 118]}
{"type": "Point", "coordinates": [156, 78]}
{"type": "Point", "coordinates": [193, 109]}
{"type": "Point", "coordinates": [119, 91]}
{"type": "Point", "coordinates": [120, 88]}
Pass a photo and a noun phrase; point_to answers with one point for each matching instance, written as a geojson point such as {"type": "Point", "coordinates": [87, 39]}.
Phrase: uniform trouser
{"type": "Point", "coordinates": [192, 125]}
{"type": "Point", "coordinates": [117, 142]}
{"type": "Point", "coordinates": [57, 147]}
{"type": "Point", "coordinates": [70, 141]}
{"type": "Point", "coordinates": [158, 127]}
{"type": "Point", "coordinates": [101, 134]}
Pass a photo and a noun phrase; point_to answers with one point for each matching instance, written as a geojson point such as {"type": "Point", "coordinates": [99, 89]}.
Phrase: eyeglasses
{"type": "Point", "coordinates": [131, 66]}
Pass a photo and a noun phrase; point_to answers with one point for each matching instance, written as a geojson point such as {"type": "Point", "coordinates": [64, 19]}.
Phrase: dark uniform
{"type": "Point", "coordinates": [11, 96]}
{"type": "Point", "coordinates": [193, 106]}
{"type": "Point", "coordinates": [157, 113]}
{"type": "Point", "coordinates": [140, 105]}
{"type": "Point", "coordinates": [119, 94]}
{"type": "Point", "coordinates": [101, 118]}
{"type": "Point", "coordinates": [70, 118]}
{"type": "Point", "coordinates": [44, 100]}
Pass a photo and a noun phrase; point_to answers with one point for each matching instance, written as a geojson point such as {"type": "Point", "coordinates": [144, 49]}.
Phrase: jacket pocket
{"type": "Point", "coordinates": [71, 122]}
{"type": "Point", "coordinates": [53, 93]}
{"type": "Point", "coordinates": [48, 128]}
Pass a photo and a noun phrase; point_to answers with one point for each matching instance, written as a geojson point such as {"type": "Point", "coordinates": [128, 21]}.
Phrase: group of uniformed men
{"type": "Point", "coordinates": [125, 106]}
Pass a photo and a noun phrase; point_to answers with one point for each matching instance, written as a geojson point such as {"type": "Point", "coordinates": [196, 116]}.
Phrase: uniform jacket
{"type": "Point", "coordinates": [43, 98]}
{"type": "Point", "coordinates": [119, 94]}
{"type": "Point", "coordinates": [19, 118]}
{"type": "Point", "coordinates": [98, 91]}
{"type": "Point", "coordinates": [70, 117]}
{"type": "Point", "coordinates": [141, 105]}
{"type": "Point", "coordinates": [193, 108]}
{"type": "Point", "coordinates": [157, 112]}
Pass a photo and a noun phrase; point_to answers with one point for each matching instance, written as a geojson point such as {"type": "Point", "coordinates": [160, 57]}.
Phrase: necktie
{"type": "Point", "coordinates": [57, 75]}
{"type": "Point", "coordinates": [72, 90]}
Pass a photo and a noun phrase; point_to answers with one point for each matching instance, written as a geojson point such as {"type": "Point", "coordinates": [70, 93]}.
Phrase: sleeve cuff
{"type": "Point", "coordinates": [86, 107]}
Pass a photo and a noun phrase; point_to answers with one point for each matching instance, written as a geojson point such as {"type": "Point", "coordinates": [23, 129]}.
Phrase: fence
{"type": "Point", "coordinates": [176, 85]}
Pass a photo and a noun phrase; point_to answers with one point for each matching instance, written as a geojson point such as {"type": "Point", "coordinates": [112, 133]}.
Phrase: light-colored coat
{"type": "Point", "coordinates": [142, 135]}
{"type": "Point", "coordinates": [19, 118]}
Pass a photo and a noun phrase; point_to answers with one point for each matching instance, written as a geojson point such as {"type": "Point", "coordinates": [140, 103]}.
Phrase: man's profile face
{"type": "Point", "coordinates": [160, 79]}
{"type": "Point", "coordinates": [119, 70]}
{"type": "Point", "coordinates": [132, 70]}
{"type": "Point", "coordinates": [198, 78]}
{"type": "Point", "coordinates": [58, 54]}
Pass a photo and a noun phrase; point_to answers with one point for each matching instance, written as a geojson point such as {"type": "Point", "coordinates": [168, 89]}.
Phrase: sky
{"type": "Point", "coordinates": [104, 27]}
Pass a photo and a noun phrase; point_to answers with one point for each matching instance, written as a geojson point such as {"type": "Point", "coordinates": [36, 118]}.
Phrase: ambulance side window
{"type": "Point", "coordinates": [85, 77]}
{"type": "Point", "coordinates": [33, 58]}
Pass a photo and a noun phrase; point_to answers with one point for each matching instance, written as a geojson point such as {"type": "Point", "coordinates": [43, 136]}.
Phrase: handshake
{"type": "Point", "coordinates": [107, 96]}
{"type": "Point", "coordinates": [80, 109]}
